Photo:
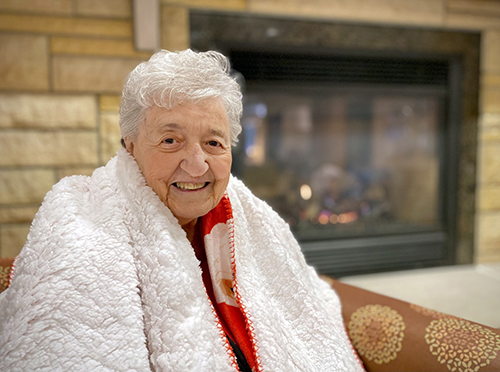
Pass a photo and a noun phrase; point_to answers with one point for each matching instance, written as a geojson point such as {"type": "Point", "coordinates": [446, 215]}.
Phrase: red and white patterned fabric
{"type": "Point", "coordinates": [219, 274]}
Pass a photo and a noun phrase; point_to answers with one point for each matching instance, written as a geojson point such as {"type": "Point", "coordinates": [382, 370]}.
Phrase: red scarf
{"type": "Point", "coordinates": [216, 253]}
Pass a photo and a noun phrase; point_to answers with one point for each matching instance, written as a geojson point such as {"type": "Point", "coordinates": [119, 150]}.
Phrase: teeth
{"type": "Point", "coordinates": [189, 186]}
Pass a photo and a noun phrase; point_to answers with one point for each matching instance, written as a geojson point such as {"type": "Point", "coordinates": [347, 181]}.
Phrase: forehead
{"type": "Point", "coordinates": [209, 115]}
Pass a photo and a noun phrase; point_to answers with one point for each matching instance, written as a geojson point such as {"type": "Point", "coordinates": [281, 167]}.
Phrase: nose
{"type": "Point", "coordinates": [195, 163]}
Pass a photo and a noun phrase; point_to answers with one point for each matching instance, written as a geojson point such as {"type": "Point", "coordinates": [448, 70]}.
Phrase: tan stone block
{"type": "Point", "coordinates": [95, 47]}
{"type": "Point", "coordinates": [489, 81]}
{"type": "Point", "coordinates": [474, 6]}
{"type": "Point", "coordinates": [23, 62]}
{"type": "Point", "coordinates": [17, 214]}
{"type": "Point", "coordinates": [490, 51]}
{"type": "Point", "coordinates": [488, 233]}
{"type": "Point", "coordinates": [489, 198]}
{"type": "Point", "coordinates": [81, 171]}
{"type": "Point", "coordinates": [490, 133]}
{"type": "Point", "coordinates": [26, 148]}
{"type": "Point", "coordinates": [110, 102]}
{"type": "Point", "coordinates": [489, 169]}
{"type": "Point", "coordinates": [174, 28]}
{"type": "Point", "coordinates": [211, 4]}
{"type": "Point", "coordinates": [472, 21]}
{"type": "Point", "coordinates": [38, 6]}
{"type": "Point", "coordinates": [100, 75]}
{"type": "Point", "coordinates": [406, 12]}
{"type": "Point", "coordinates": [110, 136]}
{"type": "Point", "coordinates": [47, 111]}
{"type": "Point", "coordinates": [490, 100]}
{"type": "Point", "coordinates": [487, 257]}
{"type": "Point", "coordinates": [25, 186]}
{"type": "Point", "coordinates": [108, 8]}
{"type": "Point", "coordinates": [66, 25]}
{"type": "Point", "coordinates": [12, 239]}
{"type": "Point", "coordinates": [490, 119]}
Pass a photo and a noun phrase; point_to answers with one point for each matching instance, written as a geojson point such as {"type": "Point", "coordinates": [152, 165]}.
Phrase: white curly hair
{"type": "Point", "coordinates": [172, 78]}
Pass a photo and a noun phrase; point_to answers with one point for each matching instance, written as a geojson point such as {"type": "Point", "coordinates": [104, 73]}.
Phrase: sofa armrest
{"type": "Point", "coordinates": [5, 268]}
{"type": "Point", "coordinates": [393, 335]}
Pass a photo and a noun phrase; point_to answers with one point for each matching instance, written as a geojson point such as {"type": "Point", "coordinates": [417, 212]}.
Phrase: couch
{"type": "Point", "coordinates": [392, 335]}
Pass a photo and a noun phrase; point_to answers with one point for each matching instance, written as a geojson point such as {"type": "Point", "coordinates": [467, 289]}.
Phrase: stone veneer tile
{"type": "Point", "coordinates": [422, 12]}
{"type": "Point", "coordinates": [490, 100]}
{"type": "Point", "coordinates": [490, 133]}
{"type": "Point", "coordinates": [25, 186]}
{"type": "Point", "coordinates": [17, 214]}
{"type": "Point", "coordinates": [489, 164]}
{"type": "Point", "coordinates": [490, 80]}
{"type": "Point", "coordinates": [47, 111]}
{"type": "Point", "coordinates": [488, 239]}
{"type": "Point", "coordinates": [474, 6]}
{"type": "Point", "coordinates": [487, 257]}
{"type": "Point", "coordinates": [23, 62]}
{"type": "Point", "coordinates": [110, 136]}
{"type": "Point", "coordinates": [100, 75]}
{"type": "Point", "coordinates": [66, 25]}
{"type": "Point", "coordinates": [37, 6]}
{"type": "Point", "coordinates": [109, 102]}
{"type": "Point", "coordinates": [215, 4]}
{"type": "Point", "coordinates": [174, 28]}
{"type": "Point", "coordinates": [489, 198]}
{"type": "Point", "coordinates": [490, 119]}
{"type": "Point", "coordinates": [107, 8]}
{"type": "Point", "coordinates": [472, 21]}
{"type": "Point", "coordinates": [95, 47]}
{"type": "Point", "coordinates": [12, 239]}
{"type": "Point", "coordinates": [81, 171]}
{"type": "Point", "coordinates": [27, 148]}
{"type": "Point", "coordinates": [490, 50]}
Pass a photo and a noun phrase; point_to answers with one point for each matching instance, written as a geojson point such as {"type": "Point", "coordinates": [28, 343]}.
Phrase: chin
{"type": "Point", "coordinates": [191, 216]}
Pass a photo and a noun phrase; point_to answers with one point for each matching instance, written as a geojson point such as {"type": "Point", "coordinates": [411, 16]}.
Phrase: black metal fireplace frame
{"type": "Point", "coordinates": [453, 243]}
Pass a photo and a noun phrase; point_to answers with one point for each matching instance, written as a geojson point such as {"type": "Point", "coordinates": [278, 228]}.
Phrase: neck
{"type": "Point", "coordinates": [190, 229]}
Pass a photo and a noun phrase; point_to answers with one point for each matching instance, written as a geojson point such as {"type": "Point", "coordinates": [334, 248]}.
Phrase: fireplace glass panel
{"type": "Point", "coordinates": [343, 163]}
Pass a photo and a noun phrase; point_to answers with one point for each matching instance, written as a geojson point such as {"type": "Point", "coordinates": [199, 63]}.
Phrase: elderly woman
{"type": "Point", "coordinates": [162, 261]}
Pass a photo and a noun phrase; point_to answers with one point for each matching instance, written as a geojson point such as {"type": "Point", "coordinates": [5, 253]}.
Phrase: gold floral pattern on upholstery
{"type": "Point", "coordinates": [377, 332]}
{"type": "Point", "coordinates": [4, 278]}
{"type": "Point", "coordinates": [462, 345]}
{"type": "Point", "coordinates": [428, 312]}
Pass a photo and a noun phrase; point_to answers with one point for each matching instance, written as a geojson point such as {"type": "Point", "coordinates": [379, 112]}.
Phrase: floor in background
{"type": "Point", "coordinates": [470, 291]}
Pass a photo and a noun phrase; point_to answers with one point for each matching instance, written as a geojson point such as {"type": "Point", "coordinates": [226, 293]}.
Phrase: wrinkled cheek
{"type": "Point", "coordinates": [160, 188]}
{"type": "Point", "coordinates": [220, 188]}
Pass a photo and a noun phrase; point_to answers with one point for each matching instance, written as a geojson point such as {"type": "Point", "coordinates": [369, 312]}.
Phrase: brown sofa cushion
{"type": "Point", "coordinates": [393, 335]}
{"type": "Point", "coordinates": [5, 266]}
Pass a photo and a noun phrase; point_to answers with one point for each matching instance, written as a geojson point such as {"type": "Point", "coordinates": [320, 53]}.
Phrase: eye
{"type": "Point", "coordinates": [214, 143]}
{"type": "Point", "coordinates": [169, 141]}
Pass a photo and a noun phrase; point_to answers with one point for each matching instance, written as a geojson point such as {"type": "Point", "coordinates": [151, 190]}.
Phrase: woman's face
{"type": "Point", "coordinates": [185, 156]}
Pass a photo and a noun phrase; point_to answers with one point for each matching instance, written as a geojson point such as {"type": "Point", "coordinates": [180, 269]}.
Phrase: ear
{"type": "Point", "coordinates": [129, 145]}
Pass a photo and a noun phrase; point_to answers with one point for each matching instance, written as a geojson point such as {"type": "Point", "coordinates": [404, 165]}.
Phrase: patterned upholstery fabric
{"type": "Point", "coordinates": [5, 265]}
{"type": "Point", "coordinates": [392, 335]}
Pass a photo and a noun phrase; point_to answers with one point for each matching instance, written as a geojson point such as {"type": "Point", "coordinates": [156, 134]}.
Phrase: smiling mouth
{"type": "Point", "coordinates": [190, 186]}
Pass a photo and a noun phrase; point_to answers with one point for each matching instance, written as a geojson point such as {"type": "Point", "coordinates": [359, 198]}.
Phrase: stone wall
{"type": "Point", "coordinates": [63, 62]}
{"type": "Point", "coordinates": [488, 186]}
{"type": "Point", "coordinates": [62, 67]}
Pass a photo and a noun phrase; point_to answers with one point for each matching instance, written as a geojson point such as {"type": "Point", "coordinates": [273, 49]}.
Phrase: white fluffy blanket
{"type": "Point", "coordinates": [108, 281]}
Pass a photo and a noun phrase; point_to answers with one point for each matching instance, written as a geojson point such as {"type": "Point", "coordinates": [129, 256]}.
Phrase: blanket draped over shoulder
{"type": "Point", "coordinates": [108, 281]}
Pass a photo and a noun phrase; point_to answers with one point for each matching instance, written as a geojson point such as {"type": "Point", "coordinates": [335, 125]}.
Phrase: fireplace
{"type": "Point", "coordinates": [362, 138]}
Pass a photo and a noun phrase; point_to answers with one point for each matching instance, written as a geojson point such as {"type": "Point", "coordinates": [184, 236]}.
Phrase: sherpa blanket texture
{"type": "Point", "coordinates": [108, 281]}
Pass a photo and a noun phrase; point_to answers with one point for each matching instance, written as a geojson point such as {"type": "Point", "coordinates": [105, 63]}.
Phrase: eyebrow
{"type": "Point", "coordinates": [174, 126]}
{"type": "Point", "coordinates": [169, 126]}
{"type": "Point", "coordinates": [218, 133]}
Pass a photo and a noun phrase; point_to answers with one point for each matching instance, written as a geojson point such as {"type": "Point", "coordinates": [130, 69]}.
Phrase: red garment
{"type": "Point", "coordinates": [229, 313]}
